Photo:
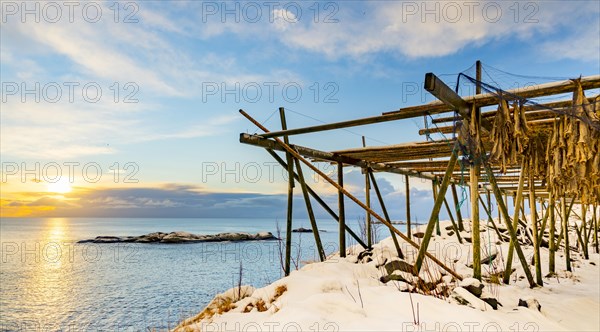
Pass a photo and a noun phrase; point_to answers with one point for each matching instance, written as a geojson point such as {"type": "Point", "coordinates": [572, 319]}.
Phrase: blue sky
{"type": "Point", "coordinates": [182, 69]}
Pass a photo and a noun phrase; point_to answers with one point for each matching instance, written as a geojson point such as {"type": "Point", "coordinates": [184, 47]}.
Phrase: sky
{"type": "Point", "coordinates": [130, 109]}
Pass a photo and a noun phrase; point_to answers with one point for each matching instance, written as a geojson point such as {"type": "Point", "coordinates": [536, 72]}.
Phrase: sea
{"type": "Point", "coordinates": [49, 282]}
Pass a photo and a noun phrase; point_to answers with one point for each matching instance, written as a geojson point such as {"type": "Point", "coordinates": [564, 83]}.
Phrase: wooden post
{"type": "Point", "coordinates": [475, 231]}
{"type": "Point", "coordinates": [490, 220]}
{"type": "Point", "coordinates": [290, 197]}
{"type": "Point", "coordinates": [474, 183]}
{"type": "Point", "coordinates": [596, 229]}
{"type": "Point", "coordinates": [436, 209]}
{"type": "Point", "coordinates": [309, 210]}
{"type": "Point", "coordinates": [341, 210]}
{"type": "Point", "coordinates": [438, 232]}
{"type": "Point", "coordinates": [509, 226]}
{"type": "Point", "coordinates": [459, 219]}
{"type": "Point", "coordinates": [320, 201]}
{"type": "Point", "coordinates": [408, 225]}
{"type": "Point", "coordinates": [368, 201]}
{"type": "Point", "coordinates": [447, 177]}
{"type": "Point", "coordinates": [584, 243]}
{"type": "Point", "coordinates": [385, 214]}
{"type": "Point", "coordinates": [454, 226]}
{"type": "Point", "coordinates": [534, 229]}
{"type": "Point", "coordinates": [515, 223]}
{"type": "Point", "coordinates": [552, 244]}
{"type": "Point", "coordinates": [565, 222]}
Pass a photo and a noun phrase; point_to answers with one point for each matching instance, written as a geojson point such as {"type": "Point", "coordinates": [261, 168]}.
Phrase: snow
{"type": "Point", "coordinates": [342, 294]}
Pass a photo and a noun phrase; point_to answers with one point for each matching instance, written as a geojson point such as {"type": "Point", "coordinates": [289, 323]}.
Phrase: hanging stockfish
{"type": "Point", "coordinates": [574, 150]}
{"type": "Point", "coordinates": [501, 136]}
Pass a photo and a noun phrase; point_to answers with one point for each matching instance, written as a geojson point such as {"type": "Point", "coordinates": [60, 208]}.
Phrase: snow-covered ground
{"type": "Point", "coordinates": [346, 294]}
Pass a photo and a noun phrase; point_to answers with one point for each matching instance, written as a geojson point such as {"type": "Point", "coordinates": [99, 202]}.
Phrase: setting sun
{"type": "Point", "coordinates": [61, 186]}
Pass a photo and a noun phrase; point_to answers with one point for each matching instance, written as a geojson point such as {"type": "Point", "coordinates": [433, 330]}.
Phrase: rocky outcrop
{"type": "Point", "coordinates": [470, 292]}
{"type": "Point", "coordinates": [181, 237]}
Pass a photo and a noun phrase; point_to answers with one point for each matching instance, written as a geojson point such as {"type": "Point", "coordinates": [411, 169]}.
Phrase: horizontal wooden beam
{"type": "Point", "coordinates": [437, 107]}
{"type": "Point", "coordinates": [331, 157]}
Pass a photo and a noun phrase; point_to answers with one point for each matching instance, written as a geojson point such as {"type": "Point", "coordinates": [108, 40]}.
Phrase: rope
{"type": "Point", "coordinates": [349, 131]}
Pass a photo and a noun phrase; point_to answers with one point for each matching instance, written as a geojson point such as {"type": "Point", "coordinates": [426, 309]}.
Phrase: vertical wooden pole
{"type": "Point", "coordinates": [459, 218]}
{"type": "Point", "coordinates": [320, 201]}
{"type": "Point", "coordinates": [552, 246]}
{"type": "Point", "coordinates": [515, 223]}
{"type": "Point", "coordinates": [584, 231]}
{"type": "Point", "coordinates": [436, 209]}
{"type": "Point", "coordinates": [368, 202]}
{"type": "Point", "coordinates": [475, 229]}
{"type": "Point", "coordinates": [511, 229]}
{"type": "Point", "coordinates": [565, 222]}
{"type": "Point", "coordinates": [534, 229]}
{"type": "Point", "coordinates": [454, 226]}
{"type": "Point", "coordinates": [474, 182]}
{"type": "Point", "coordinates": [490, 219]}
{"type": "Point", "coordinates": [408, 225]}
{"type": "Point", "coordinates": [341, 210]}
{"type": "Point", "coordinates": [385, 213]}
{"type": "Point", "coordinates": [499, 214]}
{"type": "Point", "coordinates": [595, 216]}
{"type": "Point", "coordinates": [434, 188]}
{"type": "Point", "coordinates": [290, 197]}
{"type": "Point", "coordinates": [309, 210]}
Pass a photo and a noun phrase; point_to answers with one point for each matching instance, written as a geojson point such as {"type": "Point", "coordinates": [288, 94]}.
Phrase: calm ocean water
{"type": "Point", "coordinates": [48, 282]}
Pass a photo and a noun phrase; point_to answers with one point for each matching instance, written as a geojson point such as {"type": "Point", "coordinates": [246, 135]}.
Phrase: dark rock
{"type": "Point", "coordinates": [181, 237]}
{"type": "Point", "coordinates": [531, 303]}
{"type": "Point", "coordinates": [396, 277]}
{"type": "Point", "coordinates": [365, 256]}
{"type": "Point", "coordinates": [450, 233]}
{"type": "Point", "coordinates": [473, 285]}
{"type": "Point", "coordinates": [398, 265]}
{"type": "Point", "coordinates": [302, 230]}
{"type": "Point", "coordinates": [467, 239]}
{"type": "Point", "coordinates": [419, 235]}
{"type": "Point", "coordinates": [490, 299]}
{"type": "Point", "coordinates": [449, 227]}
{"type": "Point", "coordinates": [464, 297]}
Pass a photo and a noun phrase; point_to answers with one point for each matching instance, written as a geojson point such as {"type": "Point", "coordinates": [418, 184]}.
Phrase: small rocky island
{"type": "Point", "coordinates": [181, 237]}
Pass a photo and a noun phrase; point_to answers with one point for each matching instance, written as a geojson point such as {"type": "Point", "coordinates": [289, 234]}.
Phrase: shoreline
{"type": "Point", "coordinates": [182, 237]}
{"type": "Point", "coordinates": [347, 294]}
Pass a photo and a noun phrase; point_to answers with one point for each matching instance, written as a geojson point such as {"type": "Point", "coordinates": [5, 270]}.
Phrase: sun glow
{"type": "Point", "coordinates": [61, 186]}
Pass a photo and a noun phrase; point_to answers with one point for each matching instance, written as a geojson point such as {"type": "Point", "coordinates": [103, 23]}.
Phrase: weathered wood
{"type": "Point", "coordinates": [438, 231]}
{"type": "Point", "coordinates": [595, 219]}
{"type": "Point", "coordinates": [319, 200]}
{"type": "Point", "coordinates": [509, 226]}
{"type": "Point", "coordinates": [368, 227]}
{"type": "Point", "coordinates": [408, 222]}
{"type": "Point", "coordinates": [328, 156]}
{"type": "Point", "coordinates": [515, 223]}
{"type": "Point", "coordinates": [589, 82]}
{"type": "Point", "coordinates": [290, 199]}
{"type": "Point", "coordinates": [475, 229]}
{"type": "Point", "coordinates": [289, 149]}
{"type": "Point", "coordinates": [461, 226]}
{"type": "Point", "coordinates": [534, 230]}
{"type": "Point", "coordinates": [530, 109]}
{"type": "Point", "coordinates": [454, 226]}
{"type": "Point", "coordinates": [436, 210]}
{"type": "Point", "coordinates": [385, 214]}
{"type": "Point", "coordinates": [309, 210]}
{"type": "Point", "coordinates": [552, 240]}
{"type": "Point", "coordinates": [341, 211]}
{"type": "Point", "coordinates": [584, 243]}
{"type": "Point", "coordinates": [490, 218]}
{"type": "Point", "coordinates": [565, 222]}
